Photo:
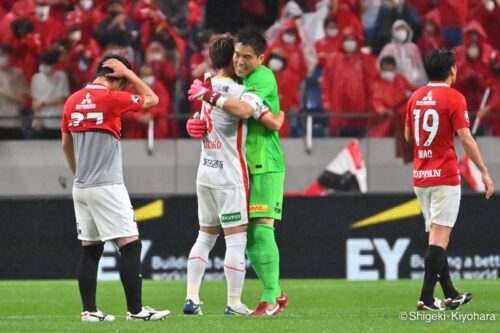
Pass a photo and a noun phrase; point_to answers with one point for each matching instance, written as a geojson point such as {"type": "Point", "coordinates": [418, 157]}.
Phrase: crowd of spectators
{"type": "Point", "coordinates": [363, 57]}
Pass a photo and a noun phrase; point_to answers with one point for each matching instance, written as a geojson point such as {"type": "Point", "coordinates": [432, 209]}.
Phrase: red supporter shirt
{"type": "Point", "coordinates": [96, 108]}
{"type": "Point", "coordinates": [434, 113]}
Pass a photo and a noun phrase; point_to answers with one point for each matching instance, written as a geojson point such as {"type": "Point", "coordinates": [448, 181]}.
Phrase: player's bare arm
{"type": "Point", "coordinates": [407, 134]}
{"type": "Point", "coordinates": [120, 70]}
{"type": "Point", "coordinates": [471, 149]}
{"type": "Point", "coordinates": [273, 121]}
{"type": "Point", "coordinates": [69, 153]}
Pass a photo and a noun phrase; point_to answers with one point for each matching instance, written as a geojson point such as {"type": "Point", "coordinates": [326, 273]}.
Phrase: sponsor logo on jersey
{"type": "Point", "coordinates": [466, 113]}
{"type": "Point", "coordinates": [427, 173]}
{"type": "Point", "coordinates": [216, 164]}
{"type": "Point", "coordinates": [230, 217]}
{"type": "Point", "coordinates": [258, 208]}
{"type": "Point", "coordinates": [427, 100]}
{"type": "Point", "coordinates": [212, 144]}
{"type": "Point", "coordinates": [136, 99]}
{"type": "Point", "coordinates": [86, 103]}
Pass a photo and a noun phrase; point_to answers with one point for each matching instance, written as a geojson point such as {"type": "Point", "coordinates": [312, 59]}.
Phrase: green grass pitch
{"type": "Point", "coordinates": [315, 306]}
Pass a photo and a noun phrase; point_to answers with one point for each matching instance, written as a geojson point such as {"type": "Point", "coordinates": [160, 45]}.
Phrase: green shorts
{"type": "Point", "coordinates": [266, 195]}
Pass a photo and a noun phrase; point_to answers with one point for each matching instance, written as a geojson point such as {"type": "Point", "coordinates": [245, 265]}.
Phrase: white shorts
{"type": "Point", "coordinates": [226, 207]}
{"type": "Point", "coordinates": [439, 204]}
{"type": "Point", "coordinates": [104, 213]}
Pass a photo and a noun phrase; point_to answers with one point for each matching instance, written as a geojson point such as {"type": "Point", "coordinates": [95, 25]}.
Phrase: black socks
{"type": "Point", "coordinates": [87, 275]}
{"type": "Point", "coordinates": [445, 281]}
{"type": "Point", "coordinates": [130, 274]}
{"type": "Point", "coordinates": [434, 260]}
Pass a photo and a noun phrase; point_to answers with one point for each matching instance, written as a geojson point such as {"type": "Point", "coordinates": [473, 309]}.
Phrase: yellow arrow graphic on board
{"type": "Point", "coordinates": [152, 210]}
{"type": "Point", "coordinates": [407, 209]}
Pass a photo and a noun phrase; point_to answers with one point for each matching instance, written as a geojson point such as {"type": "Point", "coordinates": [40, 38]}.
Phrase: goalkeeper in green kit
{"type": "Point", "coordinates": [265, 159]}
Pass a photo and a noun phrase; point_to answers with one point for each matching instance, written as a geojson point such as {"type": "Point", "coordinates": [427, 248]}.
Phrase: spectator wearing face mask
{"type": "Point", "coordinates": [407, 54]}
{"type": "Point", "coordinates": [13, 95]}
{"type": "Point", "coordinates": [136, 123]}
{"type": "Point", "coordinates": [289, 41]}
{"type": "Point", "coordinates": [390, 12]}
{"type": "Point", "coordinates": [345, 85]}
{"type": "Point", "coordinates": [90, 15]}
{"type": "Point", "coordinates": [26, 47]}
{"type": "Point", "coordinates": [389, 93]}
{"type": "Point", "coordinates": [474, 76]}
{"type": "Point", "coordinates": [164, 69]}
{"type": "Point", "coordinates": [431, 38]}
{"type": "Point", "coordinates": [490, 114]}
{"type": "Point", "coordinates": [48, 29]}
{"type": "Point", "coordinates": [49, 89]}
{"type": "Point", "coordinates": [82, 52]}
{"type": "Point", "coordinates": [487, 13]}
{"type": "Point", "coordinates": [288, 87]}
{"type": "Point", "coordinates": [330, 43]}
{"type": "Point", "coordinates": [474, 33]}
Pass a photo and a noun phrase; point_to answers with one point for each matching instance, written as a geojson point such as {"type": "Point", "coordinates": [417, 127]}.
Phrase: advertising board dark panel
{"type": "Point", "coordinates": [355, 237]}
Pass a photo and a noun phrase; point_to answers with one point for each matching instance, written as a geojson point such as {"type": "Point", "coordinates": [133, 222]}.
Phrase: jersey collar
{"type": "Point", "coordinates": [437, 84]}
{"type": "Point", "coordinates": [95, 86]}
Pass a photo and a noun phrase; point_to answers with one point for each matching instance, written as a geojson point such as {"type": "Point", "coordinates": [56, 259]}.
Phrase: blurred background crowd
{"type": "Point", "coordinates": [350, 63]}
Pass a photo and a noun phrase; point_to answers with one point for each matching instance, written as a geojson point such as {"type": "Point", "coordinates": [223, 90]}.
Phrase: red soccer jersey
{"type": "Point", "coordinates": [96, 108]}
{"type": "Point", "coordinates": [434, 113]}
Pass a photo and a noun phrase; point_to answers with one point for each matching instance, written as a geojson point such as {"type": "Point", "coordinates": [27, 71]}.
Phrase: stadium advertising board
{"type": "Point", "coordinates": [358, 237]}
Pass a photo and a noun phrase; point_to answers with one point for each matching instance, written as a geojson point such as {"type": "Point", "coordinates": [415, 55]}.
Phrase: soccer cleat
{"type": "Point", "coordinates": [267, 309]}
{"type": "Point", "coordinates": [243, 310]}
{"type": "Point", "coordinates": [436, 306]}
{"type": "Point", "coordinates": [462, 299]}
{"type": "Point", "coordinates": [282, 300]}
{"type": "Point", "coordinates": [191, 308]}
{"type": "Point", "coordinates": [148, 314]}
{"type": "Point", "coordinates": [95, 316]}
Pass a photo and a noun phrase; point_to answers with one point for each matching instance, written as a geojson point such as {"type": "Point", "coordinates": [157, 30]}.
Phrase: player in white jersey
{"type": "Point", "coordinates": [222, 184]}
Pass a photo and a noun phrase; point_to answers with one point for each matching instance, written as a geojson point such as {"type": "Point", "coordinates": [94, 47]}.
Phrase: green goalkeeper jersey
{"type": "Point", "coordinates": [263, 148]}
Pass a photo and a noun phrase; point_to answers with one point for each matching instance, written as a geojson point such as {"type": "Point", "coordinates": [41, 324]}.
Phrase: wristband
{"type": "Point", "coordinates": [220, 102]}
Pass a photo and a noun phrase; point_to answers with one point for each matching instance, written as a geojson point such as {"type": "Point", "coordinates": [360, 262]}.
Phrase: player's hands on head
{"type": "Point", "coordinates": [488, 184]}
{"type": "Point", "coordinates": [119, 69]}
{"type": "Point", "coordinates": [196, 127]}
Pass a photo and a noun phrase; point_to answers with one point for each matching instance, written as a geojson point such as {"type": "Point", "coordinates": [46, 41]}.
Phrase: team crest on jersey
{"type": "Point", "coordinates": [136, 99]}
{"type": "Point", "coordinates": [467, 116]}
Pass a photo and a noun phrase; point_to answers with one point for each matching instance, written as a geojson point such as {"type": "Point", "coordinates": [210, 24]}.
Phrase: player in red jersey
{"type": "Point", "coordinates": [434, 114]}
{"type": "Point", "coordinates": [90, 128]}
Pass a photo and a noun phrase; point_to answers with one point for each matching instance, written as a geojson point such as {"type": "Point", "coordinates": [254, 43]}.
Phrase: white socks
{"type": "Point", "coordinates": [197, 263]}
{"type": "Point", "coordinates": [234, 267]}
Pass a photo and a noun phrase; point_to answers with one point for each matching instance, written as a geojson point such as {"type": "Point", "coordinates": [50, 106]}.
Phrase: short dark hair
{"type": "Point", "coordinates": [387, 60]}
{"type": "Point", "coordinates": [102, 71]}
{"type": "Point", "coordinates": [438, 64]}
{"type": "Point", "coordinates": [327, 21]}
{"type": "Point", "coordinates": [252, 38]}
{"type": "Point", "coordinates": [50, 57]}
{"type": "Point", "coordinates": [221, 51]}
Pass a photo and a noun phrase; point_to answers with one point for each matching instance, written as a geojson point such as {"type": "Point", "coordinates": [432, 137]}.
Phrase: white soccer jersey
{"type": "Point", "coordinates": [223, 162]}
